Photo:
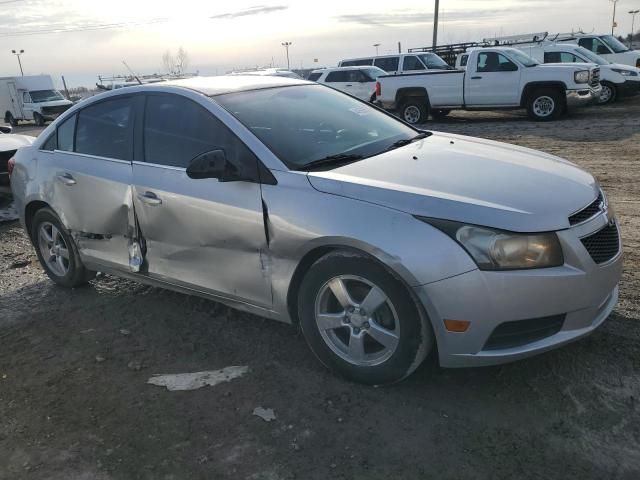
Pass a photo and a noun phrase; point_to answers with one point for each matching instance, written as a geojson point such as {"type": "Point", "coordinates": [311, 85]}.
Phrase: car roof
{"type": "Point", "coordinates": [342, 69]}
{"type": "Point", "coordinates": [232, 83]}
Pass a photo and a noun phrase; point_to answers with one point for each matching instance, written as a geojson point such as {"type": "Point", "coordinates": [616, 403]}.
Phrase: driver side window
{"type": "Point", "coordinates": [176, 130]}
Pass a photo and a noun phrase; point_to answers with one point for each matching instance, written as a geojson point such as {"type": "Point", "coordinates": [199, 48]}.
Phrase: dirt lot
{"type": "Point", "coordinates": [74, 403]}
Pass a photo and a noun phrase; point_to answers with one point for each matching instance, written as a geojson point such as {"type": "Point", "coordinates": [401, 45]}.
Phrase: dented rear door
{"type": "Point", "coordinates": [199, 233]}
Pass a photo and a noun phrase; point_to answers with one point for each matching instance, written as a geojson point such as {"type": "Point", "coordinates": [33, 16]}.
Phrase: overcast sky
{"type": "Point", "coordinates": [222, 35]}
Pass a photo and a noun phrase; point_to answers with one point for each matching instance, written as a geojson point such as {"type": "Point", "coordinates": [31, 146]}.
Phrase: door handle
{"type": "Point", "coordinates": [149, 198]}
{"type": "Point", "coordinates": [476, 78]}
{"type": "Point", "coordinates": [349, 85]}
{"type": "Point", "coordinates": [67, 179]}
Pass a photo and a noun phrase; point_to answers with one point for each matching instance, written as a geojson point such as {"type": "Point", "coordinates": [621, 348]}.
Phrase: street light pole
{"type": "Point", "coordinates": [286, 46]}
{"type": "Point", "coordinates": [17, 54]}
{"type": "Point", "coordinates": [435, 24]}
{"type": "Point", "coordinates": [376, 45]}
{"type": "Point", "coordinates": [633, 21]}
{"type": "Point", "coordinates": [613, 21]}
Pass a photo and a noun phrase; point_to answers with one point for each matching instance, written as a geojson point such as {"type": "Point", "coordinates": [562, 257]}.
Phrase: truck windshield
{"type": "Point", "coordinates": [523, 58]}
{"type": "Point", "coordinates": [302, 124]}
{"type": "Point", "coordinates": [39, 96]}
{"type": "Point", "coordinates": [434, 62]}
{"type": "Point", "coordinates": [592, 57]}
{"type": "Point", "coordinates": [615, 44]}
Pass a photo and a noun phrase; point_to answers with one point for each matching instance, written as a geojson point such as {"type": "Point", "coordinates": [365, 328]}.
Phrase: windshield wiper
{"type": "Point", "coordinates": [407, 141]}
{"type": "Point", "coordinates": [332, 161]}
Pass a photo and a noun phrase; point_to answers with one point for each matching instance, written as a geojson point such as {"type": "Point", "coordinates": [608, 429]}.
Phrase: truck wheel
{"type": "Point", "coordinates": [39, 119]}
{"type": "Point", "coordinates": [414, 111]}
{"type": "Point", "coordinates": [544, 105]}
{"type": "Point", "coordinates": [10, 120]}
{"type": "Point", "coordinates": [609, 93]}
{"type": "Point", "coordinates": [439, 114]}
{"type": "Point", "coordinates": [361, 321]}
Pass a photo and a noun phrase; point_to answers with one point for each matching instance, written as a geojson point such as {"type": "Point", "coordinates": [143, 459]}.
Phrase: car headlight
{"type": "Point", "coordinates": [625, 73]}
{"type": "Point", "coordinates": [582, 76]}
{"type": "Point", "coordinates": [493, 249]}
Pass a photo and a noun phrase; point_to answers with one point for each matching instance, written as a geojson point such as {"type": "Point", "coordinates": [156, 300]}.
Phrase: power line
{"type": "Point", "coordinates": [84, 28]}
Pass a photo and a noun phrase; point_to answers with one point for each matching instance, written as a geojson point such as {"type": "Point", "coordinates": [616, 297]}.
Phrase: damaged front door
{"type": "Point", "coordinates": [201, 233]}
{"type": "Point", "coordinates": [90, 184]}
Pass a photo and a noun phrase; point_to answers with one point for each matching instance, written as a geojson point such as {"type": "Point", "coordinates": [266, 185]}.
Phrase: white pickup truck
{"type": "Point", "coordinates": [495, 78]}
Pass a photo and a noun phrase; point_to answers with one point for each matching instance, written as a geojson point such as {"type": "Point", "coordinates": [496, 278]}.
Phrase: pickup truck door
{"type": "Point", "coordinates": [492, 79]}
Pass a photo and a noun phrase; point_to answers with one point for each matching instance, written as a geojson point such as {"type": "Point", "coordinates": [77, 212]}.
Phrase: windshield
{"type": "Point", "coordinates": [592, 57]}
{"type": "Point", "coordinates": [433, 61]}
{"type": "Point", "coordinates": [615, 44]}
{"type": "Point", "coordinates": [523, 58]}
{"type": "Point", "coordinates": [305, 123]}
{"type": "Point", "coordinates": [38, 96]}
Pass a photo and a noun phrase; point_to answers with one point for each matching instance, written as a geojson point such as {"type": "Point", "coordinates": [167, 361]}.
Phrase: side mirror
{"type": "Point", "coordinates": [213, 164]}
{"type": "Point", "coordinates": [5, 128]}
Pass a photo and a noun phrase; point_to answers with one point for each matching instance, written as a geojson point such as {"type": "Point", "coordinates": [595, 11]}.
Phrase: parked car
{"type": "Point", "coordinates": [357, 81]}
{"type": "Point", "coordinates": [492, 79]}
{"type": "Point", "coordinates": [9, 143]}
{"type": "Point", "coordinates": [617, 80]}
{"type": "Point", "coordinates": [297, 202]}
{"type": "Point", "coordinates": [401, 63]}
{"type": "Point", "coordinates": [269, 72]}
{"type": "Point", "coordinates": [31, 97]}
{"type": "Point", "coordinates": [606, 46]}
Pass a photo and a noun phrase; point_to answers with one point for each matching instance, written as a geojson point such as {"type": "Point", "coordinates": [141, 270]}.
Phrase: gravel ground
{"type": "Point", "coordinates": [74, 402]}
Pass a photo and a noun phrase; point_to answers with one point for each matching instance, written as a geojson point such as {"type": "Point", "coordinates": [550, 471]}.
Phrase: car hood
{"type": "Point", "coordinates": [13, 142]}
{"type": "Point", "coordinates": [620, 66]}
{"type": "Point", "coordinates": [468, 180]}
{"type": "Point", "coordinates": [54, 103]}
{"type": "Point", "coordinates": [569, 66]}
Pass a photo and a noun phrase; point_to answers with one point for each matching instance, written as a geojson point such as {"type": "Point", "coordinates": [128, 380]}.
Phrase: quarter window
{"type": "Point", "coordinates": [176, 130]}
{"type": "Point", "coordinates": [66, 131]}
{"type": "Point", "coordinates": [412, 62]}
{"type": "Point", "coordinates": [51, 143]}
{"type": "Point", "coordinates": [388, 64]}
{"type": "Point", "coordinates": [105, 129]}
{"type": "Point", "coordinates": [314, 77]}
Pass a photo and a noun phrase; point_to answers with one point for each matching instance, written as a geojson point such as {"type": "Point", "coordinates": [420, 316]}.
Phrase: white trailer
{"type": "Point", "coordinates": [32, 97]}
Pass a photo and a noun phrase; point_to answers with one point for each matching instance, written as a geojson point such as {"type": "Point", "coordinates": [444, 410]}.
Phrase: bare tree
{"type": "Point", "coordinates": [175, 65]}
{"type": "Point", "coordinates": [182, 61]}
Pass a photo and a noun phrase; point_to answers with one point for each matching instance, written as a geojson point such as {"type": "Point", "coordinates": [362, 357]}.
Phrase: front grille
{"type": "Point", "coordinates": [522, 332]}
{"type": "Point", "coordinates": [57, 110]}
{"type": "Point", "coordinates": [595, 78]}
{"type": "Point", "coordinates": [589, 211]}
{"type": "Point", "coordinates": [603, 245]}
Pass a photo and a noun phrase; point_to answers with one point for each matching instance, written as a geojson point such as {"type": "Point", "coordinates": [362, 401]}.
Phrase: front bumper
{"type": "Point", "coordinates": [581, 291]}
{"type": "Point", "coordinates": [628, 88]}
{"type": "Point", "coordinates": [583, 96]}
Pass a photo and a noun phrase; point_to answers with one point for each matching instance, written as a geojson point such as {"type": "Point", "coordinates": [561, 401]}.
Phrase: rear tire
{"type": "Point", "coordinates": [11, 120]}
{"type": "Point", "coordinates": [57, 251]}
{"type": "Point", "coordinates": [609, 93]}
{"type": "Point", "coordinates": [414, 111]}
{"type": "Point", "coordinates": [39, 119]}
{"type": "Point", "coordinates": [391, 338]}
{"type": "Point", "coordinates": [545, 104]}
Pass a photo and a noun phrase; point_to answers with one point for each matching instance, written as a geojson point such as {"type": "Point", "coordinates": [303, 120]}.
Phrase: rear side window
{"type": "Point", "coordinates": [464, 60]}
{"type": "Point", "coordinates": [66, 132]}
{"type": "Point", "coordinates": [412, 62]}
{"type": "Point", "coordinates": [106, 129]}
{"type": "Point", "coordinates": [388, 64]}
{"type": "Point", "coordinates": [339, 76]}
{"type": "Point", "coordinates": [314, 77]}
{"type": "Point", "coordinates": [357, 63]}
{"type": "Point", "coordinates": [561, 57]}
{"type": "Point", "coordinates": [176, 130]}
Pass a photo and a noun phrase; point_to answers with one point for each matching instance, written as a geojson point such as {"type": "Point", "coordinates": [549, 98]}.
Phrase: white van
{"type": "Point", "coordinates": [30, 98]}
{"type": "Point", "coordinates": [606, 46]}
{"type": "Point", "coordinates": [617, 80]}
{"type": "Point", "coordinates": [400, 63]}
{"type": "Point", "coordinates": [357, 81]}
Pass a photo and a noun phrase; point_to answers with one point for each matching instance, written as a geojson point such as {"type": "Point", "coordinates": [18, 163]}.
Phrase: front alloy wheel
{"type": "Point", "coordinates": [608, 93]}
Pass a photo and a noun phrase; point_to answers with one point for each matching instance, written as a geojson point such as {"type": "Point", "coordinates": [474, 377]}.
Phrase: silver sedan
{"type": "Point", "coordinates": [296, 202]}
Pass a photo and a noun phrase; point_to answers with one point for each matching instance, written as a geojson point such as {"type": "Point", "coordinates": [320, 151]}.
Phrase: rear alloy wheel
{"type": "Point", "coordinates": [39, 119]}
{"type": "Point", "coordinates": [545, 105]}
{"type": "Point", "coordinates": [361, 321]}
{"type": "Point", "coordinates": [608, 94]}
{"type": "Point", "coordinates": [56, 250]}
{"type": "Point", "coordinates": [414, 111]}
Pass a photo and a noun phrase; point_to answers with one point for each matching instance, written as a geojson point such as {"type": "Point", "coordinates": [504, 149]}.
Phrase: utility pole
{"type": "Point", "coordinates": [613, 21]}
{"type": "Point", "coordinates": [376, 45]}
{"type": "Point", "coordinates": [286, 46]}
{"type": "Point", "coordinates": [435, 24]}
{"type": "Point", "coordinates": [633, 21]}
{"type": "Point", "coordinates": [17, 54]}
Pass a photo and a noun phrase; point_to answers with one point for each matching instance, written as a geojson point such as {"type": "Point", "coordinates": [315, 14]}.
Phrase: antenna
{"type": "Point", "coordinates": [134, 75]}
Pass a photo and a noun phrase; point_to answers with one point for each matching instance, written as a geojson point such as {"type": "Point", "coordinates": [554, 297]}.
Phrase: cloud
{"type": "Point", "coordinates": [256, 10]}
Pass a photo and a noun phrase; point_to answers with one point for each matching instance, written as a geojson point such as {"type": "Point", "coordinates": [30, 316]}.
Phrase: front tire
{"type": "Point", "coordinates": [360, 320]}
{"type": "Point", "coordinates": [609, 93]}
{"type": "Point", "coordinates": [56, 251]}
{"type": "Point", "coordinates": [544, 105]}
{"type": "Point", "coordinates": [414, 111]}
